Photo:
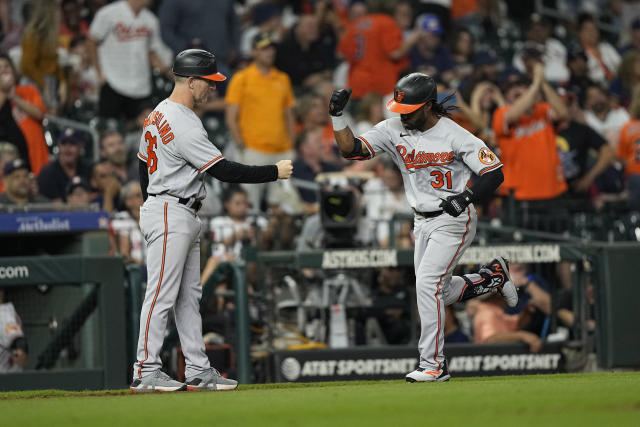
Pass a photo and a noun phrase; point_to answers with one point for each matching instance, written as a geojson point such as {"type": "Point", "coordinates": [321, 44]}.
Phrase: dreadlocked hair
{"type": "Point", "coordinates": [439, 108]}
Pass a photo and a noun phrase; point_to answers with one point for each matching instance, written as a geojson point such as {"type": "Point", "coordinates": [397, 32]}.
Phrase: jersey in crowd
{"type": "Point", "coordinates": [10, 329]}
{"type": "Point", "coordinates": [629, 147]}
{"type": "Point", "coordinates": [528, 149]}
{"type": "Point", "coordinates": [125, 40]}
{"type": "Point", "coordinates": [366, 45]}
{"type": "Point", "coordinates": [435, 163]}
{"type": "Point", "coordinates": [262, 100]}
{"type": "Point", "coordinates": [173, 137]}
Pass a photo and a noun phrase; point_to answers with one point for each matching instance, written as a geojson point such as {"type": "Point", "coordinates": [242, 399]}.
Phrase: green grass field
{"type": "Point", "coordinates": [603, 399]}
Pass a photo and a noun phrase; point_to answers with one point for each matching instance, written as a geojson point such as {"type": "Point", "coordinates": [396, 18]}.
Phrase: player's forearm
{"type": "Point", "coordinates": [228, 171]}
{"type": "Point", "coordinates": [144, 178]}
{"type": "Point", "coordinates": [486, 186]}
{"type": "Point", "coordinates": [345, 140]}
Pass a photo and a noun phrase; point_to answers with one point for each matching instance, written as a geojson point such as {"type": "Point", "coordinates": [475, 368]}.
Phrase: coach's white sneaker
{"type": "Point", "coordinates": [156, 381]}
{"type": "Point", "coordinates": [422, 375]}
{"type": "Point", "coordinates": [499, 268]}
{"type": "Point", "coordinates": [210, 380]}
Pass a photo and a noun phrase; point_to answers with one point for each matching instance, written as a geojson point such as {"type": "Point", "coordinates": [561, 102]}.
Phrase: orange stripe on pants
{"type": "Point", "coordinates": [164, 252]}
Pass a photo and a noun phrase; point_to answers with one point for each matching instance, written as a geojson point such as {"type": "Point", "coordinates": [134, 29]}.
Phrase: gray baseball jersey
{"type": "Point", "coordinates": [10, 329]}
{"type": "Point", "coordinates": [435, 163]}
{"type": "Point", "coordinates": [177, 151]}
{"type": "Point", "coordinates": [173, 138]}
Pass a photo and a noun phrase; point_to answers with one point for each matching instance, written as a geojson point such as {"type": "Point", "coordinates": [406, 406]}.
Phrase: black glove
{"type": "Point", "coordinates": [338, 101]}
{"type": "Point", "coordinates": [455, 205]}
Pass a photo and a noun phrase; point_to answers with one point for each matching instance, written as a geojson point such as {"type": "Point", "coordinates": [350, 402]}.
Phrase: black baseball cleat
{"type": "Point", "coordinates": [422, 375]}
{"type": "Point", "coordinates": [498, 269]}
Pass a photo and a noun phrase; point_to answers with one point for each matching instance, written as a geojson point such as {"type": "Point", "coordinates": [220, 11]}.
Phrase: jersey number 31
{"type": "Point", "coordinates": [440, 179]}
{"type": "Point", "coordinates": [152, 159]}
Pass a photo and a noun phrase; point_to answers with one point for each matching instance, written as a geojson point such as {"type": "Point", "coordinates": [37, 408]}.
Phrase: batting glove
{"type": "Point", "coordinates": [338, 101]}
{"type": "Point", "coordinates": [455, 205]}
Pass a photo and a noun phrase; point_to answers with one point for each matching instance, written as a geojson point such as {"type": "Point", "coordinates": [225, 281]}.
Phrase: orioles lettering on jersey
{"type": "Point", "coordinates": [423, 159]}
{"type": "Point", "coordinates": [164, 130]}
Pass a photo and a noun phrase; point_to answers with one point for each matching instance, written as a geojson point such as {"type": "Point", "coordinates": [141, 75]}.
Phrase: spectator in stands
{"type": "Point", "coordinates": [78, 192]}
{"type": "Point", "coordinates": [17, 185]}
{"type": "Point", "coordinates": [105, 185]}
{"type": "Point", "coordinates": [84, 83]}
{"type": "Point", "coordinates": [266, 19]}
{"type": "Point", "coordinates": [382, 199]}
{"type": "Point", "coordinates": [603, 59]}
{"type": "Point", "coordinates": [40, 62]}
{"type": "Point", "coordinates": [462, 53]}
{"type": "Point", "coordinates": [8, 153]}
{"type": "Point", "coordinates": [534, 303]}
{"type": "Point", "coordinates": [629, 151]}
{"type": "Point", "coordinates": [390, 302]}
{"type": "Point", "coordinates": [307, 52]}
{"type": "Point", "coordinates": [554, 54]}
{"type": "Point", "coordinates": [579, 80]}
{"type": "Point", "coordinates": [634, 42]}
{"type": "Point", "coordinates": [234, 232]}
{"type": "Point", "coordinates": [430, 55]}
{"type": "Point", "coordinates": [575, 142]}
{"type": "Point", "coordinates": [311, 112]}
{"type": "Point", "coordinates": [126, 225]}
{"type": "Point", "coordinates": [452, 331]}
{"type": "Point", "coordinates": [485, 98]}
{"type": "Point", "coordinates": [309, 163]}
{"type": "Point", "coordinates": [213, 22]}
{"type": "Point", "coordinates": [14, 352]}
{"type": "Point", "coordinates": [492, 325]}
{"type": "Point", "coordinates": [259, 113]}
{"type": "Point", "coordinates": [14, 13]}
{"type": "Point", "coordinates": [72, 25]}
{"type": "Point", "coordinates": [113, 150]}
{"type": "Point", "coordinates": [603, 115]}
{"type": "Point", "coordinates": [124, 42]}
{"type": "Point", "coordinates": [369, 113]}
{"type": "Point", "coordinates": [21, 114]}
{"type": "Point", "coordinates": [527, 140]}
{"type": "Point", "coordinates": [373, 46]}
{"type": "Point", "coordinates": [54, 177]}
{"type": "Point", "coordinates": [485, 69]}
{"type": "Point", "coordinates": [628, 78]}
{"type": "Point", "coordinates": [403, 15]}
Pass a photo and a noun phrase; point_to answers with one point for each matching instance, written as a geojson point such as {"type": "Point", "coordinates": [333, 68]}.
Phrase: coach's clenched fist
{"type": "Point", "coordinates": [285, 168]}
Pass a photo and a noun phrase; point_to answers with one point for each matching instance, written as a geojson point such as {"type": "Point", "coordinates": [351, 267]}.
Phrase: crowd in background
{"type": "Point", "coordinates": [556, 97]}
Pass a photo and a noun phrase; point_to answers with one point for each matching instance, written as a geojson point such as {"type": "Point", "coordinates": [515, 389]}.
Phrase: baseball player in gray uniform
{"type": "Point", "coordinates": [436, 157]}
{"type": "Point", "coordinates": [174, 154]}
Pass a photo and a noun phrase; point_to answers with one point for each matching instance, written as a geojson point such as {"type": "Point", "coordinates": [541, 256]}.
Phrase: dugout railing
{"type": "Point", "coordinates": [608, 266]}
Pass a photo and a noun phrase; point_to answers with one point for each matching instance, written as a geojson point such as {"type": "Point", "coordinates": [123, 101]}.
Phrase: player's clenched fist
{"type": "Point", "coordinates": [338, 101]}
{"type": "Point", "coordinates": [285, 168]}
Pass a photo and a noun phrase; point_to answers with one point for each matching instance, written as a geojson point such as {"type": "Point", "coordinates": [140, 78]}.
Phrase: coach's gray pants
{"type": "Point", "coordinates": [440, 242]}
{"type": "Point", "coordinates": [172, 233]}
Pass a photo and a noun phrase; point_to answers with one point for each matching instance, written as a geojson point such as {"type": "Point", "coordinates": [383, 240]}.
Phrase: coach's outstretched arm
{"type": "Point", "coordinates": [350, 147]}
{"type": "Point", "coordinates": [228, 171]}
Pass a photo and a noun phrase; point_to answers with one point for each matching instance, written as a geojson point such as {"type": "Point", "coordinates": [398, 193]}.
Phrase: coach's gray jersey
{"type": "Point", "coordinates": [435, 163]}
{"type": "Point", "coordinates": [177, 150]}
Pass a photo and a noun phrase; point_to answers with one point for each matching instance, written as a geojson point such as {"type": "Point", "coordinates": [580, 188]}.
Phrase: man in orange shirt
{"type": "Point", "coordinates": [629, 151]}
{"type": "Point", "coordinates": [21, 114]}
{"type": "Point", "coordinates": [373, 47]}
{"type": "Point", "coordinates": [527, 140]}
{"type": "Point", "coordinates": [259, 113]}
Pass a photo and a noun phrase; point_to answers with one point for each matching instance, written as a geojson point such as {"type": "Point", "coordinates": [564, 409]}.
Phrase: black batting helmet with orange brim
{"type": "Point", "coordinates": [412, 92]}
{"type": "Point", "coordinates": [197, 63]}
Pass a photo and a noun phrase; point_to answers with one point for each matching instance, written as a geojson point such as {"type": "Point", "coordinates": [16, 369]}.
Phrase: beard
{"type": "Point", "coordinates": [416, 123]}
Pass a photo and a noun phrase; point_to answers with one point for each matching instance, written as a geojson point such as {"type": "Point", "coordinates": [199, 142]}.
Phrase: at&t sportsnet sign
{"type": "Point", "coordinates": [361, 363]}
